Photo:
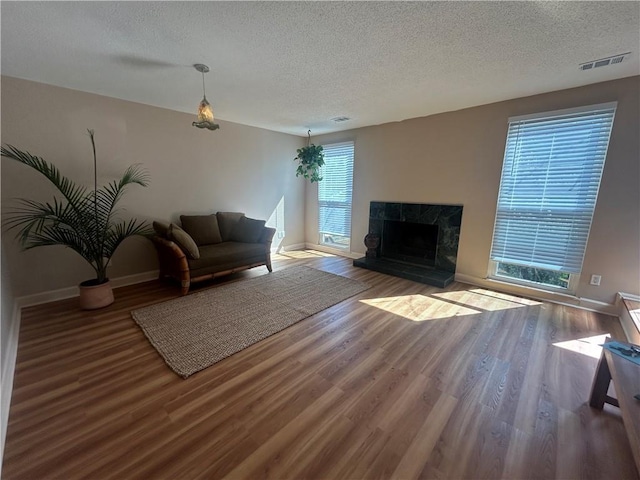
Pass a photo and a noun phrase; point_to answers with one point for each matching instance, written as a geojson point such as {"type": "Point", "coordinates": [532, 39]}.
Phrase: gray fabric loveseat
{"type": "Point", "coordinates": [208, 246]}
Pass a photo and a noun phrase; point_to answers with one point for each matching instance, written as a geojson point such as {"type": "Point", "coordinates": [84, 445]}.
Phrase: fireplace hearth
{"type": "Point", "coordinates": [414, 241]}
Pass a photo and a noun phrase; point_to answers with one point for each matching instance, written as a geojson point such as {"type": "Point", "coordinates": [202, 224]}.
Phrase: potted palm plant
{"type": "Point", "coordinates": [83, 220]}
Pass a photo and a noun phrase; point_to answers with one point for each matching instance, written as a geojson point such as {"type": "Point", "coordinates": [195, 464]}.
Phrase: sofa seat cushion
{"type": "Point", "coordinates": [228, 254]}
{"type": "Point", "coordinates": [202, 228]}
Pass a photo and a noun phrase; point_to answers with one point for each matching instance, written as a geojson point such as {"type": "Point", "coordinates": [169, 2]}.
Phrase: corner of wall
{"type": "Point", "coordinates": [11, 328]}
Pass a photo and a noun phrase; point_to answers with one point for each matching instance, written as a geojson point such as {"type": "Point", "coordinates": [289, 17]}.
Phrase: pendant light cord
{"type": "Point", "coordinates": [204, 92]}
{"type": "Point", "coordinates": [308, 138]}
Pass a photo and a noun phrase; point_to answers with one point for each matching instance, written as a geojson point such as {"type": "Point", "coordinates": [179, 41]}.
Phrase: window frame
{"type": "Point", "coordinates": [574, 278]}
{"type": "Point", "coordinates": [321, 234]}
{"type": "Point", "coordinates": [572, 285]}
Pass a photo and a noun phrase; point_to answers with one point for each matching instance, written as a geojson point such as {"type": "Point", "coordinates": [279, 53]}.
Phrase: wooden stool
{"type": "Point", "coordinates": [626, 378]}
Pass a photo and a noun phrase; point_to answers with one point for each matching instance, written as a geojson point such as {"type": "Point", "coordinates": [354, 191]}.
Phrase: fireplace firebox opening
{"type": "Point", "coordinates": [410, 242]}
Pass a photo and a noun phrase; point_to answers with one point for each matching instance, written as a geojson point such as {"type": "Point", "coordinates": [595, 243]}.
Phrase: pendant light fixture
{"type": "Point", "coordinates": [205, 112]}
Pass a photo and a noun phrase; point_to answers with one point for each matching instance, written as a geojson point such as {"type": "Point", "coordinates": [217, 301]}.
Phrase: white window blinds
{"type": "Point", "coordinates": [550, 179]}
{"type": "Point", "coordinates": [334, 191]}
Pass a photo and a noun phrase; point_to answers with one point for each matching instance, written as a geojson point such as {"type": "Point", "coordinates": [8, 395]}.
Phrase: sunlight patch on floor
{"type": "Point", "coordinates": [589, 346]}
{"type": "Point", "coordinates": [486, 300]}
{"type": "Point", "coordinates": [506, 296]}
{"type": "Point", "coordinates": [419, 308]}
{"type": "Point", "coordinates": [304, 254]}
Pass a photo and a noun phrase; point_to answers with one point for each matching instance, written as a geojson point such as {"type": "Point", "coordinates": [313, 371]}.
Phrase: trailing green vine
{"type": "Point", "coordinates": [311, 159]}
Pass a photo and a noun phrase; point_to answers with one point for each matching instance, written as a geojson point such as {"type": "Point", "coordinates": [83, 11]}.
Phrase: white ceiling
{"type": "Point", "coordinates": [290, 66]}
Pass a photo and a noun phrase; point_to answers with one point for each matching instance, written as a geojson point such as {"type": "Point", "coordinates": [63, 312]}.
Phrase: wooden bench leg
{"type": "Point", "coordinates": [600, 386]}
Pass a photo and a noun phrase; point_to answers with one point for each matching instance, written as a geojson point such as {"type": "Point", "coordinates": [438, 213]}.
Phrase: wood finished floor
{"type": "Point", "coordinates": [401, 381]}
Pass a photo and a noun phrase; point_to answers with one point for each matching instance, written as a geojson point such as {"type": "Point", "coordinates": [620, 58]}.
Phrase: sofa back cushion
{"type": "Point", "coordinates": [184, 241]}
{"type": "Point", "coordinates": [226, 222]}
{"type": "Point", "coordinates": [202, 228]}
{"type": "Point", "coordinates": [161, 229]}
{"type": "Point", "coordinates": [247, 230]}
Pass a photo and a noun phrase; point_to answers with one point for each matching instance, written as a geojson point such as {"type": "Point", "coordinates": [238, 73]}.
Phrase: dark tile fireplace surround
{"type": "Point", "coordinates": [416, 241]}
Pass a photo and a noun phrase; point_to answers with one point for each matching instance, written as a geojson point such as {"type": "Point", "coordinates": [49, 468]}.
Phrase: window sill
{"type": "Point", "coordinates": [563, 292]}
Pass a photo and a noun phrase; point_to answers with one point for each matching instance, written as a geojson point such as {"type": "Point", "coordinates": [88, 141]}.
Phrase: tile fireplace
{"type": "Point", "coordinates": [416, 241]}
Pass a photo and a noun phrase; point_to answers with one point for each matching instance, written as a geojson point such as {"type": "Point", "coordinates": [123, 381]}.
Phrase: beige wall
{"type": "Point", "coordinates": [236, 168]}
{"type": "Point", "coordinates": [456, 158]}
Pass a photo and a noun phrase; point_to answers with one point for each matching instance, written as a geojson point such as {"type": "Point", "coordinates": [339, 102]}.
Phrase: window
{"type": "Point", "coordinates": [551, 173]}
{"type": "Point", "coordinates": [334, 196]}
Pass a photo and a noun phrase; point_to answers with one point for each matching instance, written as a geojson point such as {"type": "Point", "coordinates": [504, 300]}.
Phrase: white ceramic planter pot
{"type": "Point", "coordinates": [95, 296]}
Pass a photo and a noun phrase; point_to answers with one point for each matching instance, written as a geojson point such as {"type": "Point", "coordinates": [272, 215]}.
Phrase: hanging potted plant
{"type": "Point", "coordinates": [83, 220]}
{"type": "Point", "coordinates": [310, 160]}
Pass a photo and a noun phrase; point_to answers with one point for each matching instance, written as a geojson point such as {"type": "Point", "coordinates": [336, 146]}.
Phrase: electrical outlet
{"type": "Point", "coordinates": [595, 280]}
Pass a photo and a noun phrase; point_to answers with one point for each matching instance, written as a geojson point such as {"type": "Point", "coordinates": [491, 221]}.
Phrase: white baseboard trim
{"type": "Point", "coordinates": [289, 248]}
{"type": "Point", "coordinates": [70, 292]}
{"type": "Point", "coordinates": [537, 294]}
{"type": "Point", "coordinates": [8, 370]}
{"type": "Point", "coordinates": [46, 297]}
{"type": "Point", "coordinates": [10, 356]}
{"type": "Point", "coordinates": [335, 251]}
{"type": "Point", "coordinates": [135, 278]}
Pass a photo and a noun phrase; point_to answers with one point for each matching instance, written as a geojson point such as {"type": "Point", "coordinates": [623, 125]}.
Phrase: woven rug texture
{"type": "Point", "coordinates": [193, 332]}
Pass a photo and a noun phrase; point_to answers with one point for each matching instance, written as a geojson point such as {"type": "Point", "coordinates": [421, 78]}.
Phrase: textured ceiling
{"type": "Point", "coordinates": [289, 66]}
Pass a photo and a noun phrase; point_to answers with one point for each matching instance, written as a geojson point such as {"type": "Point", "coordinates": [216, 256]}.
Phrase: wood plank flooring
{"type": "Point", "coordinates": [401, 381]}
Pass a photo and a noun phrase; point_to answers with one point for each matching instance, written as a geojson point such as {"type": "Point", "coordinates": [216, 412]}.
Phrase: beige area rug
{"type": "Point", "coordinates": [193, 332]}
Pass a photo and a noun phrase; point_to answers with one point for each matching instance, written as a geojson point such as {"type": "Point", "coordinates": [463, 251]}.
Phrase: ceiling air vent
{"type": "Point", "coordinates": [603, 62]}
{"type": "Point", "coordinates": [340, 119]}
